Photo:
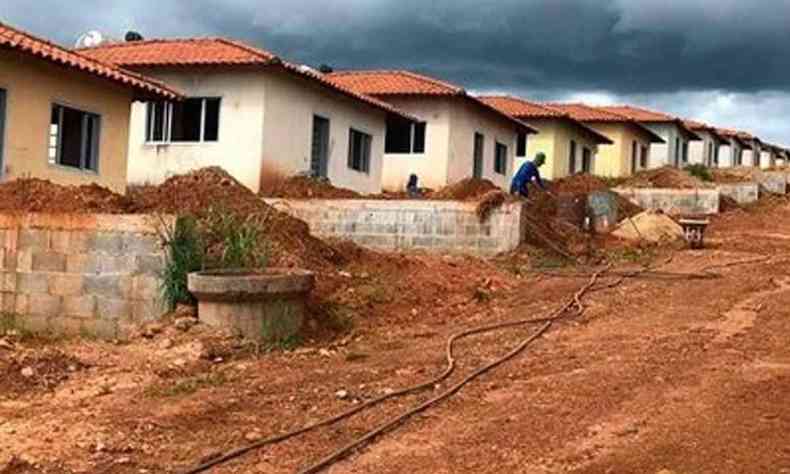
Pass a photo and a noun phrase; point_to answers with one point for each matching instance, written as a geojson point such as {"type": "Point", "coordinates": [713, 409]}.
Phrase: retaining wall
{"type": "Point", "coordinates": [772, 181]}
{"type": "Point", "coordinates": [434, 226]}
{"type": "Point", "coordinates": [80, 274]}
{"type": "Point", "coordinates": [674, 201]}
{"type": "Point", "coordinates": [743, 193]}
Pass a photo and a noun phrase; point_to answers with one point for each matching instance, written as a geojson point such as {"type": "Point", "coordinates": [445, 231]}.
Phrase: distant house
{"type": "Point", "coordinates": [705, 151]}
{"type": "Point", "coordinates": [252, 113]}
{"type": "Point", "coordinates": [570, 146]}
{"type": "Point", "coordinates": [629, 151]}
{"type": "Point", "coordinates": [752, 154]}
{"type": "Point", "coordinates": [458, 136]}
{"type": "Point", "coordinates": [770, 156]}
{"type": "Point", "coordinates": [675, 149]}
{"type": "Point", "coordinates": [732, 148]}
{"type": "Point", "coordinates": [64, 116]}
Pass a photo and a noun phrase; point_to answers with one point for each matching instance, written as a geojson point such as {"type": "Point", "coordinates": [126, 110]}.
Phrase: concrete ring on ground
{"type": "Point", "coordinates": [267, 305]}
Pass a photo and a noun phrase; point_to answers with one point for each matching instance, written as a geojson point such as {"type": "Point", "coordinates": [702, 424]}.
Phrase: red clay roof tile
{"type": "Point", "coordinates": [18, 40]}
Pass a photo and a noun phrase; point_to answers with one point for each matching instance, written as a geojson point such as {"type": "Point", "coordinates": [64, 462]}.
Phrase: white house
{"type": "Point", "coordinates": [732, 148]}
{"type": "Point", "coordinates": [458, 136]}
{"type": "Point", "coordinates": [677, 137]}
{"type": "Point", "coordinates": [706, 150]}
{"type": "Point", "coordinates": [250, 112]}
{"type": "Point", "coordinates": [752, 155]}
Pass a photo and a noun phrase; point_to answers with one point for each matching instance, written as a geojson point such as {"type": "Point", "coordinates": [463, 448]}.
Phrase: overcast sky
{"type": "Point", "coordinates": [722, 61]}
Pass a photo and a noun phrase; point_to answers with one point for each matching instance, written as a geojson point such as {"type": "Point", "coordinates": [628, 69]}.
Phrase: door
{"type": "Point", "coordinates": [634, 157]}
{"type": "Point", "coordinates": [586, 161]}
{"type": "Point", "coordinates": [2, 131]}
{"type": "Point", "coordinates": [477, 167]}
{"type": "Point", "coordinates": [319, 160]}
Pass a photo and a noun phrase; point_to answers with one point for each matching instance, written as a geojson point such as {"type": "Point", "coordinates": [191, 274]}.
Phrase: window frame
{"type": "Point", "coordinates": [365, 159]}
{"type": "Point", "coordinates": [95, 139]}
{"type": "Point", "coordinates": [498, 146]}
{"type": "Point", "coordinates": [167, 122]}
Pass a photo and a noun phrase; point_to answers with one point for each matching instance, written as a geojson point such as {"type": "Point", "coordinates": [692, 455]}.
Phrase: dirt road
{"type": "Point", "coordinates": [661, 375]}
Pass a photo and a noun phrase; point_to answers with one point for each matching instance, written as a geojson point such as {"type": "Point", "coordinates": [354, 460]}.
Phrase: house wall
{"type": "Point", "coordinates": [290, 105]}
{"type": "Point", "coordinates": [615, 160]}
{"type": "Point", "coordinates": [665, 154]}
{"type": "Point", "coordinates": [728, 152]}
{"type": "Point", "coordinates": [752, 157]}
{"type": "Point", "coordinates": [767, 159]}
{"type": "Point", "coordinates": [466, 119]}
{"type": "Point", "coordinates": [699, 150]}
{"type": "Point", "coordinates": [239, 148]}
{"type": "Point", "coordinates": [554, 140]}
{"type": "Point", "coordinates": [33, 86]}
{"type": "Point", "coordinates": [431, 167]}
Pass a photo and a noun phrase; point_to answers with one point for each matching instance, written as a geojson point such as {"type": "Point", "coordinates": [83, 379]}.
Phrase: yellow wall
{"type": "Point", "coordinates": [554, 139]}
{"type": "Point", "coordinates": [32, 87]}
{"type": "Point", "coordinates": [615, 160]}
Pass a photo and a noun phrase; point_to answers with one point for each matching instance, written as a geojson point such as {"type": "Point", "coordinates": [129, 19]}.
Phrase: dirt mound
{"type": "Point", "coordinates": [490, 202]}
{"type": "Point", "coordinates": [465, 190]}
{"type": "Point", "coordinates": [666, 177]}
{"type": "Point", "coordinates": [305, 187]}
{"type": "Point", "coordinates": [649, 226]}
{"type": "Point", "coordinates": [579, 184]}
{"type": "Point", "coordinates": [42, 369]}
{"type": "Point", "coordinates": [40, 195]}
{"type": "Point", "coordinates": [732, 175]}
{"type": "Point", "coordinates": [196, 193]}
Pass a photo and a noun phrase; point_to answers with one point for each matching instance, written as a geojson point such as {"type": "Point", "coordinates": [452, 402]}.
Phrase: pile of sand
{"type": "Point", "coordinates": [650, 226]}
{"type": "Point", "coordinates": [666, 177]}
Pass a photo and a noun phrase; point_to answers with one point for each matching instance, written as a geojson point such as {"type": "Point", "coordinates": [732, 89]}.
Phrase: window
{"type": "Point", "coordinates": [643, 157]}
{"type": "Point", "coordinates": [521, 145]}
{"type": "Point", "coordinates": [634, 157]}
{"type": "Point", "coordinates": [500, 159]}
{"type": "Point", "coordinates": [477, 156]}
{"type": "Point", "coordinates": [716, 149]}
{"type": "Point", "coordinates": [685, 152]}
{"type": "Point", "coordinates": [677, 151]}
{"type": "Point", "coordinates": [191, 121]}
{"type": "Point", "coordinates": [359, 145]}
{"type": "Point", "coordinates": [586, 160]}
{"type": "Point", "coordinates": [572, 158]}
{"type": "Point", "coordinates": [405, 137]}
{"type": "Point", "coordinates": [74, 138]}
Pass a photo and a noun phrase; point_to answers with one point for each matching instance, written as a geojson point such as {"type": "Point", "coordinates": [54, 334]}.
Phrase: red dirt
{"type": "Point", "coordinates": [465, 190]}
{"type": "Point", "coordinates": [303, 187]}
{"type": "Point", "coordinates": [39, 195]}
{"type": "Point", "coordinates": [660, 375]}
{"type": "Point", "coordinates": [666, 177]}
{"type": "Point", "coordinates": [730, 175]}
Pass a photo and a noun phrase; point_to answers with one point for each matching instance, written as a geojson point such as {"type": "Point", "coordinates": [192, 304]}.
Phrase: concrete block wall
{"type": "Point", "coordinates": [434, 226]}
{"type": "Point", "coordinates": [80, 274]}
{"type": "Point", "coordinates": [743, 193]}
{"type": "Point", "coordinates": [772, 182]}
{"type": "Point", "coordinates": [603, 210]}
{"type": "Point", "coordinates": [674, 201]}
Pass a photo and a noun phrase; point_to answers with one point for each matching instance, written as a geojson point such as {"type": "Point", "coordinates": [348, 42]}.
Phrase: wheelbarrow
{"type": "Point", "coordinates": [694, 231]}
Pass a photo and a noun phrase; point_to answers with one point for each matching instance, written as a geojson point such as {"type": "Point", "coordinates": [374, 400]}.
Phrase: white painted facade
{"type": "Point", "coordinates": [705, 151]}
{"type": "Point", "coordinates": [751, 157]}
{"type": "Point", "coordinates": [767, 158]}
{"type": "Point", "coordinates": [730, 154]}
{"type": "Point", "coordinates": [451, 124]}
{"type": "Point", "coordinates": [265, 130]}
{"type": "Point", "coordinates": [670, 153]}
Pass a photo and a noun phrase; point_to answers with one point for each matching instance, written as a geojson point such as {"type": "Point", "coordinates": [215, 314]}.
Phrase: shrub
{"type": "Point", "coordinates": [700, 171]}
{"type": "Point", "coordinates": [185, 254]}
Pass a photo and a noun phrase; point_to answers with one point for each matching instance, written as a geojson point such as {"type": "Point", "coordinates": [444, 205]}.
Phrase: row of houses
{"type": "Point", "coordinates": [141, 111]}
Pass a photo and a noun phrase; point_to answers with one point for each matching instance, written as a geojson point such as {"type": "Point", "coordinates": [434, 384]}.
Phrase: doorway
{"type": "Point", "coordinates": [477, 167]}
{"type": "Point", "coordinates": [319, 159]}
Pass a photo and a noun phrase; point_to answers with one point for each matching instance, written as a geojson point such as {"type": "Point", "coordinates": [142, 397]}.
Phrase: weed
{"type": "Point", "coordinates": [338, 318]}
{"type": "Point", "coordinates": [185, 254]}
{"type": "Point", "coordinates": [699, 171]}
{"type": "Point", "coordinates": [375, 293]}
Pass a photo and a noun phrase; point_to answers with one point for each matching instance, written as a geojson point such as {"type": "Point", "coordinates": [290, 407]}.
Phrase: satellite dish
{"type": "Point", "coordinates": [90, 39]}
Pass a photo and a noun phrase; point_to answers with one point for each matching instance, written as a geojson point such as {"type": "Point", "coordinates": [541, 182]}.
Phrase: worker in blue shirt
{"type": "Point", "coordinates": [526, 174]}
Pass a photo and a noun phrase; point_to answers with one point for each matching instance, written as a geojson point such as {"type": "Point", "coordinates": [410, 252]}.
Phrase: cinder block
{"type": "Point", "coordinates": [108, 286]}
{"type": "Point", "coordinates": [34, 323]}
{"type": "Point", "coordinates": [3, 233]}
{"type": "Point", "coordinates": [146, 287]}
{"type": "Point", "coordinates": [8, 281]}
{"type": "Point", "coordinates": [110, 243]}
{"type": "Point", "coordinates": [63, 326]}
{"type": "Point", "coordinates": [150, 264]}
{"type": "Point", "coordinates": [141, 244]}
{"type": "Point", "coordinates": [32, 283]}
{"type": "Point", "coordinates": [44, 305]}
{"type": "Point", "coordinates": [108, 308]}
{"type": "Point", "coordinates": [24, 260]}
{"type": "Point", "coordinates": [107, 329]}
{"type": "Point", "coordinates": [9, 262]}
{"type": "Point", "coordinates": [49, 261]}
{"type": "Point", "coordinates": [71, 241]}
{"type": "Point", "coordinates": [113, 264]}
{"type": "Point", "coordinates": [148, 310]}
{"type": "Point", "coordinates": [65, 284]}
{"type": "Point", "coordinates": [33, 238]}
{"type": "Point", "coordinates": [8, 303]}
{"type": "Point", "coordinates": [79, 306]}
{"type": "Point", "coordinates": [82, 264]}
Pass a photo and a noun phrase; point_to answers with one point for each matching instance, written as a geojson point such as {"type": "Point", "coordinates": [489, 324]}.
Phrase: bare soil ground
{"type": "Point", "coordinates": [660, 375]}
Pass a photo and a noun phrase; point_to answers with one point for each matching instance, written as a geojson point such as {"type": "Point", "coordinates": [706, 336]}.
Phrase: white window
{"type": "Point", "coordinates": [194, 120]}
{"type": "Point", "coordinates": [74, 138]}
{"type": "Point", "coordinates": [359, 145]}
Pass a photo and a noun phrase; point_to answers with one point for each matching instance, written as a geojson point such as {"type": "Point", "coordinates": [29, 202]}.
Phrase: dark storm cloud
{"type": "Point", "coordinates": [542, 48]}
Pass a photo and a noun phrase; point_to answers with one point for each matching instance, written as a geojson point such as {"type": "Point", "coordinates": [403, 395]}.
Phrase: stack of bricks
{"type": "Point", "coordinates": [80, 274]}
{"type": "Point", "coordinates": [432, 226]}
